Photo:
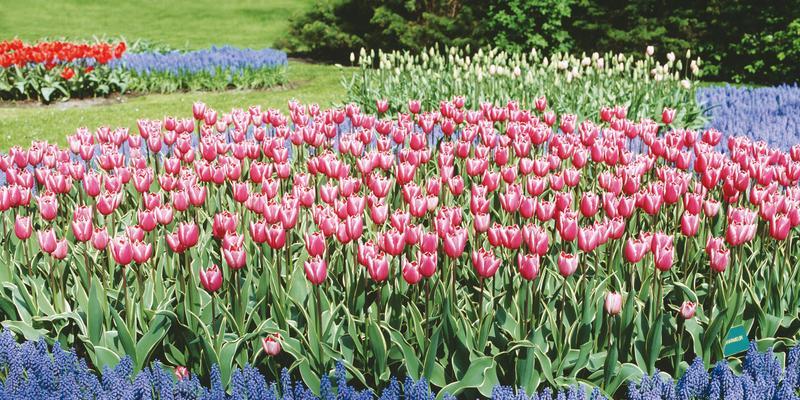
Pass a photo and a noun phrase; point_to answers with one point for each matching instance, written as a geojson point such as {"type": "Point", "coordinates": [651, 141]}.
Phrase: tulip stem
{"type": "Point", "coordinates": [128, 313]}
{"type": "Point", "coordinates": [427, 308]}
{"type": "Point", "coordinates": [319, 325]}
{"type": "Point", "coordinates": [213, 311]}
{"type": "Point", "coordinates": [53, 286]}
{"type": "Point", "coordinates": [480, 309]}
{"type": "Point", "coordinates": [679, 349]}
{"type": "Point", "coordinates": [27, 258]}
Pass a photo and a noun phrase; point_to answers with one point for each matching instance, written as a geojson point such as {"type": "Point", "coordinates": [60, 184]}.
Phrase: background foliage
{"type": "Point", "coordinates": [741, 41]}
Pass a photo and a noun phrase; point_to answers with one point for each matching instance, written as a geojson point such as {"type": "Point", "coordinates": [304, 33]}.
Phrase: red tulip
{"type": "Point", "coordinates": [211, 278]}
{"type": "Point", "coordinates": [316, 270]}
{"type": "Point", "coordinates": [567, 264]}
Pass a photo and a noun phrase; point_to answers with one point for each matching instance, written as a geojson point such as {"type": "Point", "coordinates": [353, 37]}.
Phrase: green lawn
{"type": "Point", "coordinates": [179, 23]}
{"type": "Point", "coordinates": [309, 83]}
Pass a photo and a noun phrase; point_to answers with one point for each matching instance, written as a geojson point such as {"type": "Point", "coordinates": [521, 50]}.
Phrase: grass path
{"type": "Point", "coordinates": [187, 24]}
{"type": "Point", "coordinates": [179, 23]}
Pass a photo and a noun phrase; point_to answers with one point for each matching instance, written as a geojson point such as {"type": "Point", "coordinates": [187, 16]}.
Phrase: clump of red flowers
{"type": "Point", "coordinates": [16, 52]}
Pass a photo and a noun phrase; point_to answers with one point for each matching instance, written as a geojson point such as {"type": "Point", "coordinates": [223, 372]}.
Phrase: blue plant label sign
{"type": "Point", "coordinates": [736, 341]}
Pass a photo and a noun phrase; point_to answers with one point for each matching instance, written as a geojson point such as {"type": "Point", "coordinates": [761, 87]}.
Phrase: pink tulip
{"type": "Point", "coordinates": [22, 227]}
{"type": "Point", "coordinates": [235, 256]}
{"type": "Point", "coordinates": [528, 265]}
{"type": "Point", "coordinates": [393, 242]}
{"type": "Point", "coordinates": [271, 345]}
{"type": "Point", "coordinates": [567, 225]}
{"type": "Point", "coordinates": [48, 206]}
{"type": "Point", "coordinates": [181, 373]}
{"type": "Point", "coordinates": [100, 238]}
{"type": "Point", "coordinates": [635, 249]}
{"type": "Point", "coordinates": [188, 234]}
{"type": "Point", "coordinates": [779, 226]}
{"type": "Point", "coordinates": [141, 251]}
{"type": "Point", "coordinates": [316, 270]}
{"type": "Point", "coordinates": [690, 223]}
{"type": "Point", "coordinates": [664, 257]}
{"type": "Point", "coordinates": [47, 240]}
{"type": "Point", "coordinates": [411, 273]}
{"type": "Point", "coordinates": [668, 115]}
{"type": "Point", "coordinates": [454, 243]}
{"type": "Point", "coordinates": [613, 303]}
{"type": "Point", "coordinates": [378, 267]}
{"type": "Point", "coordinates": [567, 264]}
{"type": "Point", "coordinates": [211, 278]}
{"type": "Point", "coordinates": [589, 205]}
{"type": "Point", "coordinates": [687, 309]}
{"type": "Point", "coordinates": [122, 250]}
{"type": "Point", "coordinates": [485, 263]}
{"type": "Point", "coordinates": [427, 264]}
{"type": "Point", "coordinates": [276, 236]}
{"type": "Point", "coordinates": [315, 244]}
{"type": "Point", "coordinates": [719, 259]}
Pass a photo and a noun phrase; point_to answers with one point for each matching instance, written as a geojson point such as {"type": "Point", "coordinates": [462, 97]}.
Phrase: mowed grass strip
{"type": "Point", "coordinates": [189, 24]}
{"type": "Point", "coordinates": [22, 123]}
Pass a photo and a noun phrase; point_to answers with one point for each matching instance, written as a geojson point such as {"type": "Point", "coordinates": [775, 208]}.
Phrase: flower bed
{"type": "Point", "coordinates": [577, 84]}
{"type": "Point", "coordinates": [771, 114]}
{"type": "Point", "coordinates": [467, 246]}
{"type": "Point", "coordinates": [31, 371]}
{"type": "Point", "coordinates": [50, 70]}
{"type": "Point", "coordinates": [217, 68]}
